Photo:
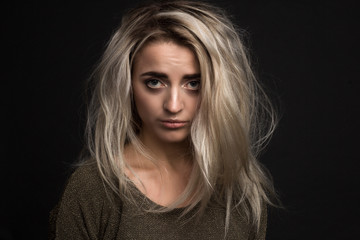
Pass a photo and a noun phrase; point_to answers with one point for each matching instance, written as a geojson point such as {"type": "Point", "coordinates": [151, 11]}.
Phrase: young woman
{"type": "Point", "coordinates": [174, 127]}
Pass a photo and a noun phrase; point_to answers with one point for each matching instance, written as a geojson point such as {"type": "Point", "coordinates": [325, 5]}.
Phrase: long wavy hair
{"type": "Point", "coordinates": [234, 121]}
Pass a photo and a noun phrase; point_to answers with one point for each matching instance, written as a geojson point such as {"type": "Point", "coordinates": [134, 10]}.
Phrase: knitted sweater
{"type": "Point", "coordinates": [85, 212]}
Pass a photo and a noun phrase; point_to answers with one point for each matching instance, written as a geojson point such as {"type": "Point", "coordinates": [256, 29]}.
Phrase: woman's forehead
{"type": "Point", "coordinates": [166, 54]}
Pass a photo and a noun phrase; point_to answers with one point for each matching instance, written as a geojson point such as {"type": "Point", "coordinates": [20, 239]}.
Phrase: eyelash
{"type": "Point", "coordinates": [150, 82]}
{"type": "Point", "coordinates": [194, 81]}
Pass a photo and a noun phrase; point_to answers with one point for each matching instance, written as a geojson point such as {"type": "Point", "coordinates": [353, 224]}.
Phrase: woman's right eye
{"type": "Point", "coordinates": [154, 83]}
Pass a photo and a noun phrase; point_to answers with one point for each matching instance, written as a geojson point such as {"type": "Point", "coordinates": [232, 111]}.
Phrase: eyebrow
{"type": "Point", "coordinates": [164, 76]}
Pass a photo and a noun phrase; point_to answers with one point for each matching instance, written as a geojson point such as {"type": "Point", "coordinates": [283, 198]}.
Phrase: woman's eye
{"type": "Point", "coordinates": [153, 83]}
{"type": "Point", "coordinates": [193, 85]}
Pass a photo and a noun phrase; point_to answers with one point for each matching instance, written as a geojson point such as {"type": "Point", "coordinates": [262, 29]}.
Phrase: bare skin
{"type": "Point", "coordinates": [162, 183]}
{"type": "Point", "coordinates": [166, 82]}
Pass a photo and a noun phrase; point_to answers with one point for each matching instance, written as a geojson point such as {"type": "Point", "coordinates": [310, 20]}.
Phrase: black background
{"type": "Point", "coordinates": [305, 52]}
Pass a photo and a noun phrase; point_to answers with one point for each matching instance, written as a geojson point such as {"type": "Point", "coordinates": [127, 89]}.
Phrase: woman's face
{"type": "Point", "coordinates": [166, 85]}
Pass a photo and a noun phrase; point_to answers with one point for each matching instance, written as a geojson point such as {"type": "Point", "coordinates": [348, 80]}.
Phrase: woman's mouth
{"type": "Point", "coordinates": [173, 124]}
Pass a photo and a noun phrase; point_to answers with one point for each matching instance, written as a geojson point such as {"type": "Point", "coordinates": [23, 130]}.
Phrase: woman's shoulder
{"type": "Point", "coordinates": [85, 181]}
{"type": "Point", "coordinates": [85, 207]}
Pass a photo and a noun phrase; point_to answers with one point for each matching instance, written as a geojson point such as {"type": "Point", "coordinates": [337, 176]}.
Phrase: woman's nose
{"type": "Point", "coordinates": [173, 102]}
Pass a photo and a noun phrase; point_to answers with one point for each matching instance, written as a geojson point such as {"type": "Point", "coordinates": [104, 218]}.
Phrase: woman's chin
{"type": "Point", "coordinates": [174, 137]}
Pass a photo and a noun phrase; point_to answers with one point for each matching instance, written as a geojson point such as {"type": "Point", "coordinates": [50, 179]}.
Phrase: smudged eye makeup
{"type": "Point", "coordinates": [154, 84]}
{"type": "Point", "coordinates": [193, 85]}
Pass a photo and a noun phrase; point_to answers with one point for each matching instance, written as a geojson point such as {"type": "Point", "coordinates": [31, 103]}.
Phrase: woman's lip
{"type": "Point", "coordinates": [173, 123]}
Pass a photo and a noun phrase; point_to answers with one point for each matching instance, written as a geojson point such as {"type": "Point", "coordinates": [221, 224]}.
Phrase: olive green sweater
{"type": "Point", "coordinates": [85, 212]}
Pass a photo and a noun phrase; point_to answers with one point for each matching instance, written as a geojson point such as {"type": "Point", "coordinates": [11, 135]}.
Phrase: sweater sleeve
{"type": "Point", "coordinates": [83, 211]}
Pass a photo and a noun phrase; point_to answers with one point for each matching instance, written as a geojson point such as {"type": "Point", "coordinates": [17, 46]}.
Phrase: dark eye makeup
{"type": "Point", "coordinates": [154, 83]}
{"type": "Point", "coordinates": [193, 85]}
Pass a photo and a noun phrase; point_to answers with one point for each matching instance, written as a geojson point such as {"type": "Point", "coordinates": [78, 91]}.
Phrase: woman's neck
{"type": "Point", "coordinates": [167, 154]}
{"type": "Point", "coordinates": [165, 178]}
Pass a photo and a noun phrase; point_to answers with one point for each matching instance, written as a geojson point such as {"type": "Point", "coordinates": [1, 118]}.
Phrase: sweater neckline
{"type": "Point", "coordinates": [143, 199]}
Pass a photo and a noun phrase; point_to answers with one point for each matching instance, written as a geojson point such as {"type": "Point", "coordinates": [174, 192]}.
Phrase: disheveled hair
{"type": "Point", "coordinates": [234, 121]}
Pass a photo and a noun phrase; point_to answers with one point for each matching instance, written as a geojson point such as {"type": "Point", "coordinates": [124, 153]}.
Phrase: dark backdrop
{"type": "Point", "coordinates": [305, 52]}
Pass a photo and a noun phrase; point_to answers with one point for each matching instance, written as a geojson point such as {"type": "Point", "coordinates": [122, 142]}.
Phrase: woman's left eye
{"type": "Point", "coordinates": [193, 85]}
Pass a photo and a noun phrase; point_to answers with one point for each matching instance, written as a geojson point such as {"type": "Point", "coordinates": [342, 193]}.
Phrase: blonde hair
{"type": "Point", "coordinates": [234, 121]}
